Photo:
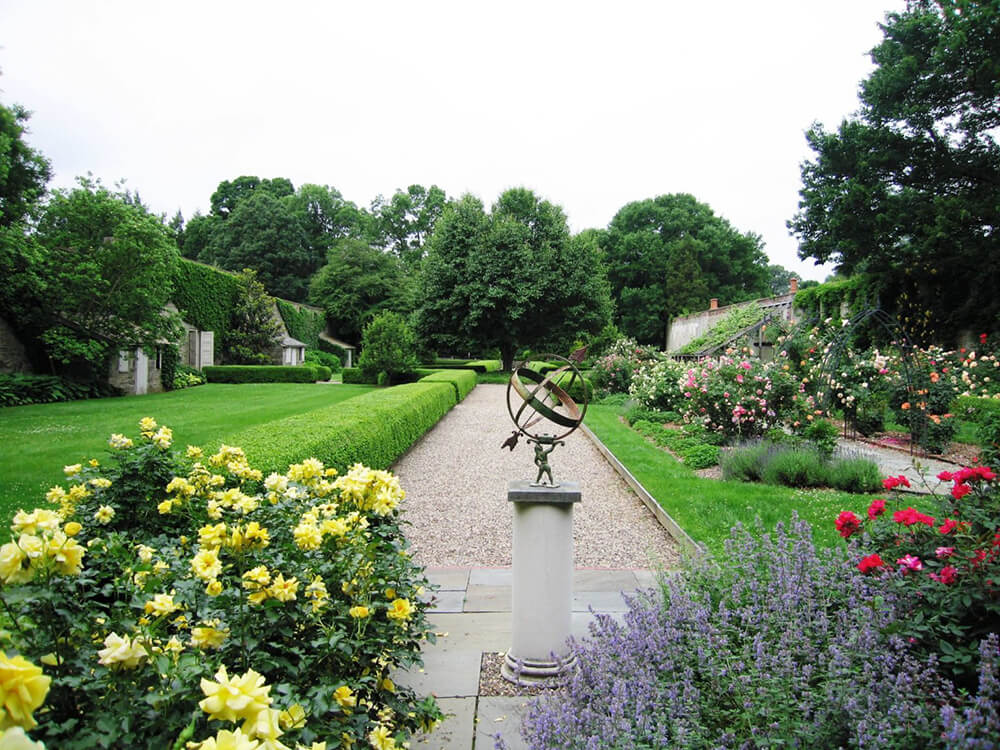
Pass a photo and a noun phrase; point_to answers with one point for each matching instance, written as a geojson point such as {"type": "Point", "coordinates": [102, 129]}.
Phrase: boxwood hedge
{"type": "Point", "coordinates": [266, 373]}
{"type": "Point", "coordinates": [462, 380]}
{"type": "Point", "coordinates": [477, 365]}
{"type": "Point", "coordinates": [374, 428]}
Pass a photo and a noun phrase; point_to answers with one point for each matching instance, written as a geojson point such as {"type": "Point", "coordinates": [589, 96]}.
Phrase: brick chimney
{"type": "Point", "coordinates": [713, 304]}
{"type": "Point", "coordinates": [793, 285]}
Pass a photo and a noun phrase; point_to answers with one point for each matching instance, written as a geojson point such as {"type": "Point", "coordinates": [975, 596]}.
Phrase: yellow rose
{"type": "Point", "coordinates": [235, 698]}
{"type": "Point", "coordinates": [359, 612]}
{"type": "Point", "coordinates": [11, 562]}
{"type": "Point", "coordinates": [72, 528]}
{"type": "Point", "coordinates": [400, 610]}
{"type": "Point", "coordinates": [121, 651]}
{"type": "Point", "coordinates": [23, 688]}
{"type": "Point", "coordinates": [72, 470]}
{"type": "Point", "coordinates": [345, 697]}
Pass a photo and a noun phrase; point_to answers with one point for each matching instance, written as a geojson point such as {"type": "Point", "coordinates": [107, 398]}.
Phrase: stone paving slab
{"type": "Point", "coordinates": [488, 599]}
{"type": "Point", "coordinates": [449, 579]}
{"type": "Point", "coordinates": [499, 715]}
{"type": "Point", "coordinates": [456, 731]}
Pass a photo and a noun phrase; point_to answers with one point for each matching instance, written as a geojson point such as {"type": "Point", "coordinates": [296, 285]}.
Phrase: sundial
{"type": "Point", "coordinates": [542, 410]}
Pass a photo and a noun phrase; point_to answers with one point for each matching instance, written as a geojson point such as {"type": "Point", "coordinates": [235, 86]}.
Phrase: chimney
{"type": "Point", "coordinates": [793, 285]}
{"type": "Point", "coordinates": [713, 304]}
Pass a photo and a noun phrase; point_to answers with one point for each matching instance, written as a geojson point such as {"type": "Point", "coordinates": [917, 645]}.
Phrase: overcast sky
{"type": "Point", "coordinates": [591, 105]}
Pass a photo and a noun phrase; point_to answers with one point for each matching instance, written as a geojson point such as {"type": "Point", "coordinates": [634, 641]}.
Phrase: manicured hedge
{"type": "Point", "coordinates": [322, 371]}
{"type": "Point", "coordinates": [355, 376]}
{"type": "Point", "coordinates": [374, 428]}
{"type": "Point", "coordinates": [265, 373]}
{"type": "Point", "coordinates": [581, 388]}
{"type": "Point", "coordinates": [463, 380]}
{"type": "Point", "coordinates": [477, 365]}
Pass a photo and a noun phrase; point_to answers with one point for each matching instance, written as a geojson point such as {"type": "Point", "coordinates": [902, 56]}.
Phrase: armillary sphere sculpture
{"type": "Point", "coordinates": [542, 409]}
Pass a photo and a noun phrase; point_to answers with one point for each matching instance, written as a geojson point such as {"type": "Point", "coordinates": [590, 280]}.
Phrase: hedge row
{"type": "Point", "coordinates": [580, 389]}
{"type": "Point", "coordinates": [374, 428]}
{"type": "Point", "coordinates": [266, 373]}
{"type": "Point", "coordinates": [477, 365]}
{"type": "Point", "coordinates": [354, 376]}
{"type": "Point", "coordinates": [462, 380]}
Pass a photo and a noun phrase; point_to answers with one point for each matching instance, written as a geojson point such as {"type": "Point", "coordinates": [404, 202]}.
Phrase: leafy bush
{"type": "Point", "coordinates": [168, 368]}
{"type": "Point", "coordinates": [795, 468]}
{"type": "Point", "coordinates": [388, 345]}
{"type": "Point", "coordinates": [701, 456]}
{"type": "Point", "coordinates": [745, 463]}
{"type": "Point", "coordinates": [17, 389]}
{"type": "Point", "coordinates": [374, 428]}
{"type": "Point", "coordinates": [577, 388]}
{"type": "Point", "coordinates": [355, 376]}
{"type": "Point", "coordinates": [463, 381]}
{"type": "Point", "coordinates": [261, 374]}
{"type": "Point", "coordinates": [858, 475]}
{"type": "Point", "coordinates": [187, 377]}
{"type": "Point", "coordinates": [612, 373]}
{"type": "Point", "coordinates": [323, 372]}
{"type": "Point", "coordinates": [943, 566]}
{"type": "Point", "coordinates": [776, 644]}
{"type": "Point", "coordinates": [317, 357]}
{"type": "Point", "coordinates": [823, 434]}
{"type": "Point", "coordinates": [165, 579]}
{"type": "Point", "coordinates": [691, 446]}
{"type": "Point", "coordinates": [985, 412]}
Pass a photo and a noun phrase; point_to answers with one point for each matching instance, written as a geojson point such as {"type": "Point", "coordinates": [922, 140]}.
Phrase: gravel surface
{"type": "Point", "coordinates": [456, 505]}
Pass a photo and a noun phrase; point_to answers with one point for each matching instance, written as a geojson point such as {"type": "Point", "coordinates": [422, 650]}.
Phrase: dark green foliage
{"type": "Point", "coordinates": [355, 376]}
{"type": "Point", "coordinates": [337, 351]}
{"type": "Point", "coordinates": [477, 365]}
{"type": "Point", "coordinates": [205, 297]}
{"type": "Point", "coordinates": [24, 171]}
{"type": "Point", "coordinates": [389, 346]}
{"type": "Point", "coordinates": [253, 331]}
{"type": "Point", "coordinates": [647, 239]}
{"type": "Point", "coordinates": [316, 357]}
{"type": "Point", "coordinates": [358, 282]}
{"type": "Point", "coordinates": [263, 373]}
{"type": "Point", "coordinates": [692, 446]}
{"type": "Point", "coordinates": [187, 377]}
{"type": "Point", "coordinates": [168, 370]}
{"type": "Point", "coordinates": [17, 389]}
{"type": "Point", "coordinates": [823, 434]}
{"type": "Point", "coordinates": [637, 413]}
{"type": "Point", "coordinates": [908, 189]}
{"type": "Point", "coordinates": [404, 223]}
{"type": "Point", "coordinates": [302, 323]}
{"type": "Point", "coordinates": [463, 380]}
{"type": "Point", "coordinates": [323, 372]}
{"type": "Point", "coordinates": [985, 412]}
{"type": "Point", "coordinates": [374, 428]}
{"type": "Point", "coordinates": [510, 279]}
{"type": "Point", "coordinates": [580, 389]}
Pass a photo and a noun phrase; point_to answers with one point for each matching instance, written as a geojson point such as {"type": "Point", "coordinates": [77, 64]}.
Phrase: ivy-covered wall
{"type": "Point", "coordinates": [205, 297]}
{"type": "Point", "coordinates": [302, 323]}
{"type": "Point", "coordinates": [826, 300]}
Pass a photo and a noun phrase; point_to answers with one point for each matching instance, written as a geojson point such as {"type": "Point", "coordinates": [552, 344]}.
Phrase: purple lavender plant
{"type": "Point", "coordinates": [778, 644]}
{"type": "Point", "coordinates": [977, 727]}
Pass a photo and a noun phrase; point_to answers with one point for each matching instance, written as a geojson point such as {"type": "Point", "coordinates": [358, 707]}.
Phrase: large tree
{"type": "Point", "coordinates": [358, 282]}
{"type": "Point", "coordinates": [646, 239]}
{"type": "Point", "coordinates": [908, 189]}
{"type": "Point", "coordinates": [105, 270]}
{"type": "Point", "coordinates": [404, 223]}
{"type": "Point", "coordinates": [509, 279]}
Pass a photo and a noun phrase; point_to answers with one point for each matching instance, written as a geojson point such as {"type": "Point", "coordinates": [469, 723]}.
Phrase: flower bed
{"type": "Point", "coordinates": [171, 598]}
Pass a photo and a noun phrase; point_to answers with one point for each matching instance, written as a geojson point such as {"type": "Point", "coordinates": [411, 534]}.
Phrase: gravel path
{"type": "Point", "coordinates": [456, 480]}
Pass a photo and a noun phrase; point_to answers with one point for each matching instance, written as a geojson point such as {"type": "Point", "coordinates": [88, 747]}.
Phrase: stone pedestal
{"type": "Point", "coordinates": [542, 603]}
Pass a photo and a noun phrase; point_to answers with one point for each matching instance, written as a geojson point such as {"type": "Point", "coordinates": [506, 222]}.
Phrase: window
{"type": "Point", "coordinates": [123, 358]}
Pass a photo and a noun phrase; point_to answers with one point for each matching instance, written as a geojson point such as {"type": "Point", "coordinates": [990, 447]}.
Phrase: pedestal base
{"type": "Point", "coordinates": [542, 596]}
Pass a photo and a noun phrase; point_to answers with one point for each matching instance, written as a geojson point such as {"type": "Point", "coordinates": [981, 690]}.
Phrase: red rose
{"type": "Point", "coordinates": [848, 524]}
{"type": "Point", "coordinates": [870, 563]}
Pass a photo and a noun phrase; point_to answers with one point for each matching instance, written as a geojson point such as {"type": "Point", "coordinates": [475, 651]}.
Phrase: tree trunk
{"type": "Point", "coordinates": [507, 356]}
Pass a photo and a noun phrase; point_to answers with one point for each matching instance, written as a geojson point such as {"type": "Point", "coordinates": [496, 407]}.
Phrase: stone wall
{"type": "Point", "coordinates": [685, 328]}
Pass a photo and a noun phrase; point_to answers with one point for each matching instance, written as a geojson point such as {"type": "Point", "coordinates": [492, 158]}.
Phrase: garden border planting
{"type": "Point", "coordinates": [265, 373]}
{"type": "Point", "coordinates": [374, 428]}
{"type": "Point", "coordinates": [462, 380]}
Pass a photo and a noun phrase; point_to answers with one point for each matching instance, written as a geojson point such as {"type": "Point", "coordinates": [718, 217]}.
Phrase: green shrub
{"type": "Point", "coordinates": [322, 372]}
{"type": "Point", "coordinates": [745, 463]}
{"type": "Point", "coordinates": [317, 357]}
{"type": "Point", "coordinates": [822, 434]}
{"type": "Point", "coordinates": [168, 368]}
{"type": "Point", "coordinates": [463, 380]}
{"type": "Point", "coordinates": [639, 413]}
{"type": "Point", "coordinates": [374, 428]}
{"type": "Point", "coordinates": [701, 456]}
{"type": "Point", "coordinates": [985, 412]}
{"type": "Point", "coordinates": [17, 389]}
{"type": "Point", "coordinates": [388, 345]}
{"type": "Point", "coordinates": [578, 388]}
{"type": "Point", "coordinates": [261, 374]}
{"type": "Point", "coordinates": [857, 475]}
{"type": "Point", "coordinates": [795, 468]}
{"type": "Point", "coordinates": [187, 377]}
{"type": "Point", "coordinates": [354, 376]}
{"type": "Point", "coordinates": [338, 351]}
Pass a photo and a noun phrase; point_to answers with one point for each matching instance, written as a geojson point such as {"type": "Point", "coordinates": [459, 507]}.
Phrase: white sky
{"type": "Point", "coordinates": [591, 105]}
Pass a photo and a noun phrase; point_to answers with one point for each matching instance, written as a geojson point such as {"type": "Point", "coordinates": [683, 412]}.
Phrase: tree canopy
{"type": "Point", "coordinates": [404, 223]}
{"type": "Point", "coordinates": [357, 282]}
{"type": "Point", "coordinates": [24, 172]}
{"type": "Point", "coordinates": [104, 268]}
{"type": "Point", "coordinates": [646, 239]}
{"type": "Point", "coordinates": [908, 189]}
{"type": "Point", "coordinates": [509, 279]}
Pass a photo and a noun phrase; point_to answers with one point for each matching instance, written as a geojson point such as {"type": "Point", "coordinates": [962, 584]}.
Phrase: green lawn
{"type": "Point", "coordinates": [37, 441]}
{"type": "Point", "coordinates": [707, 508]}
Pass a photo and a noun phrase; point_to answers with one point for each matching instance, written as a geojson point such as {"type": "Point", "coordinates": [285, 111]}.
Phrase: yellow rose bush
{"type": "Point", "coordinates": [172, 597]}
